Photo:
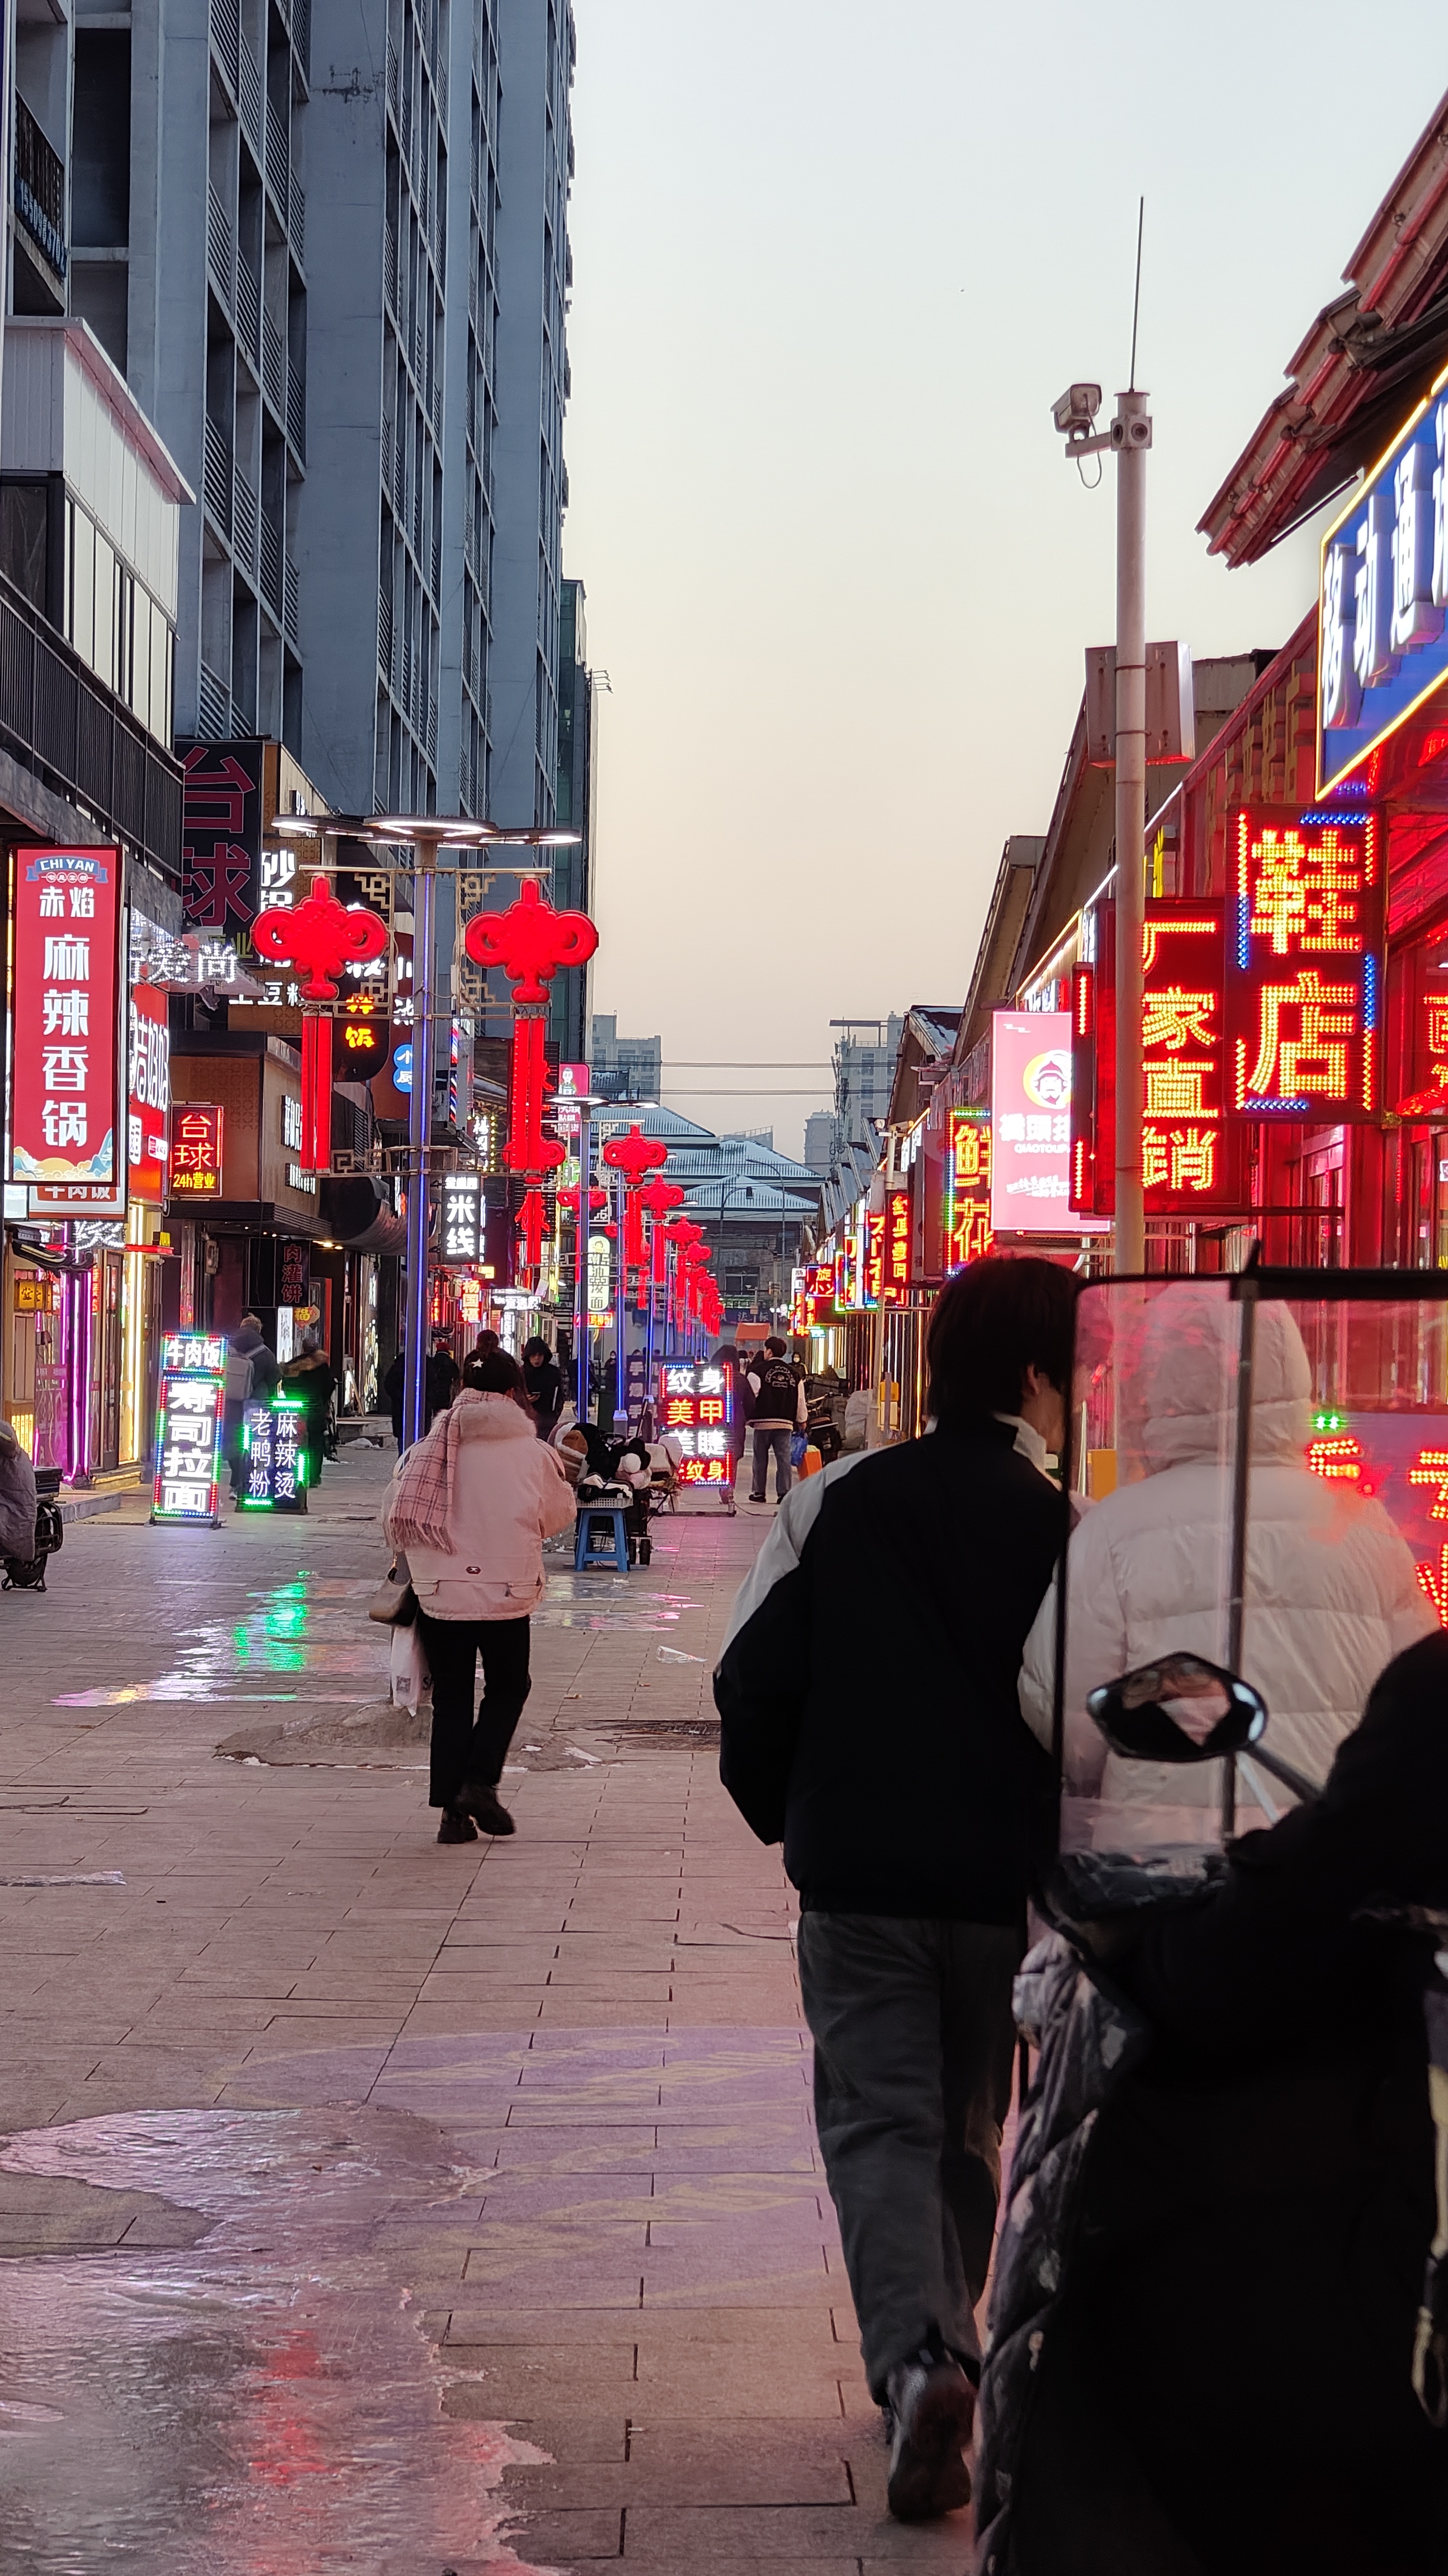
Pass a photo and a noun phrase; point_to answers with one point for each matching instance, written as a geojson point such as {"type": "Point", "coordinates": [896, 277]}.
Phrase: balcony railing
{"type": "Point", "coordinates": [297, 413]}
{"type": "Point", "coordinates": [40, 189]}
{"type": "Point", "coordinates": [289, 600]}
{"type": "Point", "coordinates": [216, 476]}
{"type": "Point", "coordinates": [244, 521]}
{"type": "Point", "coordinates": [213, 707]}
{"type": "Point", "coordinates": [219, 247]}
{"type": "Point", "coordinates": [250, 99]}
{"type": "Point", "coordinates": [271, 563]}
{"type": "Point", "coordinates": [60, 722]}
{"type": "Point", "coordinates": [248, 307]}
{"type": "Point", "coordinates": [274, 366]}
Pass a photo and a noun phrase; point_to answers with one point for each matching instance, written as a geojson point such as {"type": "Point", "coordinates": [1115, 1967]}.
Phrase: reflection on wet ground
{"type": "Point", "coordinates": [264, 2403]}
{"type": "Point", "coordinates": [309, 1627]}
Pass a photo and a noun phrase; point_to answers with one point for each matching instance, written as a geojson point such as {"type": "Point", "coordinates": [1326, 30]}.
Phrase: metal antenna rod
{"type": "Point", "coordinates": [1136, 298]}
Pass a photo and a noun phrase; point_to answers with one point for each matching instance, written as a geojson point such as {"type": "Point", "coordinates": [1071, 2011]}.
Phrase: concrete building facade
{"type": "Point", "coordinates": [325, 242]}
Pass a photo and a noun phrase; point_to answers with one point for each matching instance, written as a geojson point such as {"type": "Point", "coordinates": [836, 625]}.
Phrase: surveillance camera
{"type": "Point", "coordinates": [1076, 409]}
{"type": "Point", "coordinates": [1135, 432]}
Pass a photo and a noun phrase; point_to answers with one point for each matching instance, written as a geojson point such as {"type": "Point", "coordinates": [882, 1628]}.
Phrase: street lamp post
{"type": "Point", "coordinates": [419, 1137]}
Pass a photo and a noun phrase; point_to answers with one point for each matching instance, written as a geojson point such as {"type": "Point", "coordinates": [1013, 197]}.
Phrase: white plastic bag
{"type": "Point", "coordinates": [411, 1680]}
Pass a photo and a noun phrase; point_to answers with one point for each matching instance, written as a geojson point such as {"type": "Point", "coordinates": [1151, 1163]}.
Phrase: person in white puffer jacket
{"type": "Point", "coordinates": [1331, 1593]}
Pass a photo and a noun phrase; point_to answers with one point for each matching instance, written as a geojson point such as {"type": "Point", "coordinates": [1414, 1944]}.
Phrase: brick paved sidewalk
{"type": "Point", "coordinates": [498, 2160]}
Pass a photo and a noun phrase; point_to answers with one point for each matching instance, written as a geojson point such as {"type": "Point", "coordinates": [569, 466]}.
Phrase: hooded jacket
{"type": "Point", "coordinates": [509, 1495]}
{"type": "Point", "coordinates": [1331, 1592]}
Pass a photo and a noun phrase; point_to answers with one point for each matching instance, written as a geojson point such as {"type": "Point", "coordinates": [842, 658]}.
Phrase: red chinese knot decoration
{"type": "Point", "coordinates": [530, 941]}
{"type": "Point", "coordinates": [322, 935]}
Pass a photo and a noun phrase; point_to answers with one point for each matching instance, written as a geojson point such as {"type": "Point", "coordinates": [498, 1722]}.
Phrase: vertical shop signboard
{"type": "Point", "coordinates": [188, 1427]}
{"type": "Point", "coordinates": [148, 1109]}
{"type": "Point", "coordinates": [968, 1231]}
{"type": "Point", "coordinates": [1192, 1153]}
{"type": "Point", "coordinates": [461, 1218]}
{"type": "Point", "coordinates": [1420, 1049]}
{"type": "Point", "coordinates": [221, 835]}
{"type": "Point", "coordinates": [65, 1062]}
{"type": "Point", "coordinates": [196, 1150]}
{"type": "Point", "coordinates": [275, 1466]}
{"type": "Point", "coordinates": [1030, 1189]}
{"type": "Point", "coordinates": [873, 1263]}
{"type": "Point", "coordinates": [696, 1408]}
{"type": "Point", "coordinates": [895, 1279]}
{"type": "Point", "coordinates": [1304, 965]}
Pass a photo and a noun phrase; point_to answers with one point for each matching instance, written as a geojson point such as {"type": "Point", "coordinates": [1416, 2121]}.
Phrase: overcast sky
{"type": "Point", "coordinates": [832, 263]}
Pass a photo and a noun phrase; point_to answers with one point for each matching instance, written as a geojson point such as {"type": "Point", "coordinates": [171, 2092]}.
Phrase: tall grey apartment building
{"type": "Point", "coordinates": [326, 243]}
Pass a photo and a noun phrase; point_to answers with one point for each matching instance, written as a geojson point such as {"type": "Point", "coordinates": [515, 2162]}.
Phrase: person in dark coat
{"type": "Point", "coordinates": [542, 1384]}
{"type": "Point", "coordinates": [1224, 2385]}
{"type": "Point", "coordinates": [311, 1376]}
{"type": "Point", "coordinates": [870, 1720]}
{"type": "Point", "coordinates": [443, 1377]}
{"type": "Point", "coordinates": [392, 1387]}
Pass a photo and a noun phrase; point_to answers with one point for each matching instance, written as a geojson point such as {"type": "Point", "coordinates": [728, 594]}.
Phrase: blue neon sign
{"type": "Point", "coordinates": [1382, 634]}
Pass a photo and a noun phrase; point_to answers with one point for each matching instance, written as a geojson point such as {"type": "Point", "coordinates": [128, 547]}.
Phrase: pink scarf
{"type": "Point", "coordinates": [419, 1507]}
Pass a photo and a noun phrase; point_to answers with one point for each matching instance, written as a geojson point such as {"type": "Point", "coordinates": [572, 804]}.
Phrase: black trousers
{"type": "Point", "coordinates": [469, 1747]}
{"type": "Point", "coordinates": [914, 2046]}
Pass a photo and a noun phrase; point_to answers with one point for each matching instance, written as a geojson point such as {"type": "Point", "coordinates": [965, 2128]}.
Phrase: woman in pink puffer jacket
{"type": "Point", "coordinates": [472, 1505]}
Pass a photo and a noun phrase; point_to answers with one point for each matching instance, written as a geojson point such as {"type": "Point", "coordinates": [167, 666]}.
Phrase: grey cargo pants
{"type": "Point", "coordinates": [914, 2045]}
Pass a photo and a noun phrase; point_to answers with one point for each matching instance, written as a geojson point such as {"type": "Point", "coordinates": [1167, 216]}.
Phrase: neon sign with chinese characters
{"type": "Point", "coordinates": [967, 1187]}
{"type": "Point", "coordinates": [275, 1465]}
{"type": "Point", "coordinates": [1419, 1044]}
{"type": "Point", "coordinates": [696, 1409]}
{"type": "Point", "coordinates": [1304, 966]}
{"type": "Point", "coordinates": [1191, 1157]}
{"type": "Point", "coordinates": [895, 1273]}
{"type": "Point", "coordinates": [874, 1255]}
{"type": "Point", "coordinates": [1383, 593]}
{"type": "Point", "coordinates": [64, 1064]}
{"type": "Point", "coordinates": [196, 1149]}
{"type": "Point", "coordinates": [189, 1420]}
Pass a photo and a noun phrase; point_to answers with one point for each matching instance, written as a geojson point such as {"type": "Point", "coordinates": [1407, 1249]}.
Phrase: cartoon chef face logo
{"type": "Point", "coordinates": [1047, 1079]}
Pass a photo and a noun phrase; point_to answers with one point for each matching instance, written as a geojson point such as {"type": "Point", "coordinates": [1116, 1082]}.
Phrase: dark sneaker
{"type": "Point", "coordinates": [488, 1808]}
{"type": "Point", "coordinates": [456, 1828]}
{"type": "Point", "coordinates": [932, 2405]}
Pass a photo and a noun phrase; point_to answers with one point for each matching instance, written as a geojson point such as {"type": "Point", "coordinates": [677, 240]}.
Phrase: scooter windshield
{"type": "Point", "coordinates": [1260, 1467]}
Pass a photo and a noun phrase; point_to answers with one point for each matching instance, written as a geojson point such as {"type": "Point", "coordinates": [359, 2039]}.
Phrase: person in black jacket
{"type": "Point", "coordinates": [870, 1721]}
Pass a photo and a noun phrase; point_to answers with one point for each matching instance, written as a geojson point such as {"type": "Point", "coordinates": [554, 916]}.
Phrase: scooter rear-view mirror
{"type": "Point", "coordinates": [1179, 1709]}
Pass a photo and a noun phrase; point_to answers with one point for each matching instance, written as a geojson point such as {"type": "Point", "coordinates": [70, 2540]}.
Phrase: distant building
{"type": "Point", "coordinates": [624, 1068]}
{"type": "Point", "coordinates": [865, 1053]}
{"type": "Point", "coordinates": [819, 1140]}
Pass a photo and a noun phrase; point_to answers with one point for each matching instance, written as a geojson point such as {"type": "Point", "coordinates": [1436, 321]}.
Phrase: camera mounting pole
{"type": "Point", "coordinates": [1128, 437]}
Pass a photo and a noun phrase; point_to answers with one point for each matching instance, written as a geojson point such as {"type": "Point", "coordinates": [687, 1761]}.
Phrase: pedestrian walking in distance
{"type": "Point", "coordinates": [472, 1503]}
{"type": "Point", "coordinates": [870, 1721]}
{"type": "Point", "coordinates": [542, 1384]}
{"type": "Point", "coordinates": [777, 1387]}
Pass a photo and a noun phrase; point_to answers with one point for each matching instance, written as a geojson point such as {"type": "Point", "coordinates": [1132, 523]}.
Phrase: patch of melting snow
{"type": "Point", "coordinates": [267, 2398]}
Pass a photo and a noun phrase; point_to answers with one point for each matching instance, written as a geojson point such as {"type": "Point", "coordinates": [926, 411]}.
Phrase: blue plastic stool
{"type": "Point", "coordinates": [594, 1521]}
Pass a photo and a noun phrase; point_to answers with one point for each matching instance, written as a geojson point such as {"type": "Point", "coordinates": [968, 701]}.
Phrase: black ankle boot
{"type": "Point", "coordinates": [456, 1827]}
{"type": "Point", "coordinates": [484, 1803]}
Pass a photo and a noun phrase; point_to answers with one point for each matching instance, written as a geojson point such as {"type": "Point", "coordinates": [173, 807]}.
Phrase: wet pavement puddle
{"type": "Point", "coordinates": [311, 1627]}
{"type": "Point", "coordinates": [264, 2402]}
